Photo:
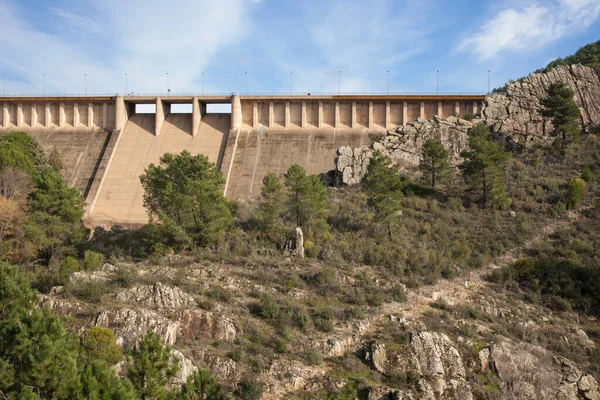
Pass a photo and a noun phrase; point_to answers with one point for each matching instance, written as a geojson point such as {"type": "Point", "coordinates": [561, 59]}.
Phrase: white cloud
{"type": "Point", "coordinates": [77, 21]}
{"type": "Point", "coordinates": [530, 27]}
{"type": "Point", "coordinates": [145, 38]}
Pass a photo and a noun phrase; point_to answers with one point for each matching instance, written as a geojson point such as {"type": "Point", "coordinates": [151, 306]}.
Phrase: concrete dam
{"type": "Point", "coordinates": [106, 143]}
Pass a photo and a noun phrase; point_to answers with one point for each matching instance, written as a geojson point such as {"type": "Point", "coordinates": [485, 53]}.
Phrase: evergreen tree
{"type": "Point", "coordinates": [296, 184]}
{"type": "Point", "coordinates": [307, 200]}
{"type": "Point", "coordinates": [434, 160]}
{"type": "Point", "coordinates": [151, 367]}
{"type": "Point", "coordinates": [54, 222]}
{"type": "Point", "coordinates": [55, 161]}
{"type": "Point", "coordinates": [38, 357]}
{"type": "Point", "coordinates": [271, 208]}
{"type": "Point", "coordinates": [383, 185]}
{"type": "Point", "coordinates": [189, 191]}
{"type": "Point", "coordinates": [201, 386]}
{"type": "Point", "coordinates": [99, 382]}
{"type": "Point", "coordinates": [483, 166]}
{"type": "Point", "coordinates": [564, 113]}
{"type": "Point", "coordinates": [18, 149]}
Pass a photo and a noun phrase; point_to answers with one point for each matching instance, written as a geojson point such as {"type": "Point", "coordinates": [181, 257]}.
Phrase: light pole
{"type": "Point", "coordinates": [339, 81]}
{"type": "Point", "coordinates": [44, 84]}
{"type": "Point", "coordinates": [203, 84]}
{"type": "Point", "coordinates": [168, 90]}
{"type": "Point", "coordinates": [246, 82]}
{"type": "Point", "coordinates": [3, 85]}
{"type": "Point", "coordinates": [291, 81]}
{"type": "Point", "coordinates": [489, 72]}
{"type": "Point", "coordinates": [437, 82]}
{"type": "Point", "coordinates": [85, 84]}
{"type": "Point", "coordinates": [125, 83]}
{"type": "Point", "coordinates": [388, 83]}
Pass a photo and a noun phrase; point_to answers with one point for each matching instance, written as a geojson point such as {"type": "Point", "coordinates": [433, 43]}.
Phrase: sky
{"type": "Point", "coordinates": [266, 46]}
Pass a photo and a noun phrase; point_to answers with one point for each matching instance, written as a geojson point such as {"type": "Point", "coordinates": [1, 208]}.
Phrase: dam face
{"type": "Point", "coordinates": [105, 145]}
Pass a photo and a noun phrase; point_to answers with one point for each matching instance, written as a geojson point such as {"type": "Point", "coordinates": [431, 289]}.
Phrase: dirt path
{"type": "Point", "coordinates": [458, 290]}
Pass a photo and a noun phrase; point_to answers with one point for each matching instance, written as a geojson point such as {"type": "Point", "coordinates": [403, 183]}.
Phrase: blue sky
{"type": "Point", "coordinates": [65, 40]}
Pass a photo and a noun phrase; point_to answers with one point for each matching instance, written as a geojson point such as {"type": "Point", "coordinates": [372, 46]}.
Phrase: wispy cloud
{"type": "Point", "coordinates": [76, 21]}
{"type": "Point", "coordinates": [532, 26]}
{"type": "Point", "coordinates": [145, 38]}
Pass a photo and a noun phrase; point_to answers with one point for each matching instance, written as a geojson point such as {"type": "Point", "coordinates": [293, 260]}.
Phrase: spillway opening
{"type": "Point", "coordinates": [145, 108]}
{"type": "Point", "coordinates": [218, 108]}
{"type": "Point", "coordinates": [181, 108]}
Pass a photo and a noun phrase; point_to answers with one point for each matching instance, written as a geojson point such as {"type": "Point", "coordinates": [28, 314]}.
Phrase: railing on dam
{"type": "Point", "coordinates": [249, 94]}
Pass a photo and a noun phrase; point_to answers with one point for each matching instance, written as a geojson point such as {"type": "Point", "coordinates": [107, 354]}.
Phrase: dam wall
{"type": "Point", "coordinates": [106, 144]}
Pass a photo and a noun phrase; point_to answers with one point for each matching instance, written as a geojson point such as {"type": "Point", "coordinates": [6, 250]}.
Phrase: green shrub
{"type": "Point", "coordinates": [587, 175]}
{"type": "Point", "coordinates": [68, 266]}
{"type": "Point", "coordinates": [235, 355]}
{"type": "Point", "coordinates": [268, 307]}
{"type": "Point", "coordinates": [323, 320]}
{"type": "Point", "coordinates": [311, 250]}
{"type": "Point", "coordinates": [91, 292]}
{"type": "Point", "coordinates": [92, 261]}
{"type": "Point", "coordinates": [575, 191]}
{"type": "Point", "coordinates": [314, 357]}
{"type": "Point", "coordinates": [399, 294]}
{"type": "Point", "coordinates": [249, 389]}
{"type": "Point", "coordinates": [100, 343]}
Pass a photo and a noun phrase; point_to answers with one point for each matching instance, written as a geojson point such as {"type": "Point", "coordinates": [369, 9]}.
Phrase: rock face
{"type": "Point", "coordinates": [157, 297]}
{"type": "Point", "coordinates": [131, 324]}
{"type": "Point", "coordinates": [431, 360]}
{"type": "Point", "coordinates": [403, 145]}
{"type": "Point", "coordinates": [516, 114]}
{"type": "Point", "coordinates": [527, 371]}
{"type": "Point", "coordinates": [202, 324]}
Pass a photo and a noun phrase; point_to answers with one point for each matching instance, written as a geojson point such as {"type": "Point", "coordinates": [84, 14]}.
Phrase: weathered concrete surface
{"type": "Point", "coordinates": [120, 199]}
{"type": "Point", "coordinates": [80, 153]}
{"type": "Point", "coordinates": [261, 151]}
{"type": "Point", "coordinates": [518, 112]}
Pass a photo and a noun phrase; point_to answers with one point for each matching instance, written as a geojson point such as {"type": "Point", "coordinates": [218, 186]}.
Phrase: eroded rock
{"type": "Point", "coordinates": [129, 325]}
{"type": "Point", "coordinates": [158, 297]}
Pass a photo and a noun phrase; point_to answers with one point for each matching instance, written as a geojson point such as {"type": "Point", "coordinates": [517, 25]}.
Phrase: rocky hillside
{"type": "Point", "coordinates": [456, 339]}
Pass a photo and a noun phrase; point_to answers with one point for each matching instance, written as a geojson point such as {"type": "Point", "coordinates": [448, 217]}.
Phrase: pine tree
{"type": "Point", "coordinates": [383, 185]}
{"type": "Point", "coordinates": [564, 113]}
{"type": "Point", "coordinates": [434, 160]}
{"type": "Point", "coordinates": [189, 191]}
{"type": "Point", "coordinates": [307, 200]}
{"type": "Point", "coordinates": [38, 355]}
{"type": "Point", "coordinates": [483, 167]}
{"type": "Point", "coordinates": [151, 367]}
{"type": "Point", "coordinates": [271, 208]}
{"type": "Point", "coordinates": [295, 182]}
{"type": "Point", "coordinates": [54, 222]}
{"type": "Point", "coordinates": [201, 386]}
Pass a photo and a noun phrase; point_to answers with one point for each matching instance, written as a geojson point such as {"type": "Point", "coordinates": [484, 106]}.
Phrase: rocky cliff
{"type": "Point", "coordinates": [516, 113]}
